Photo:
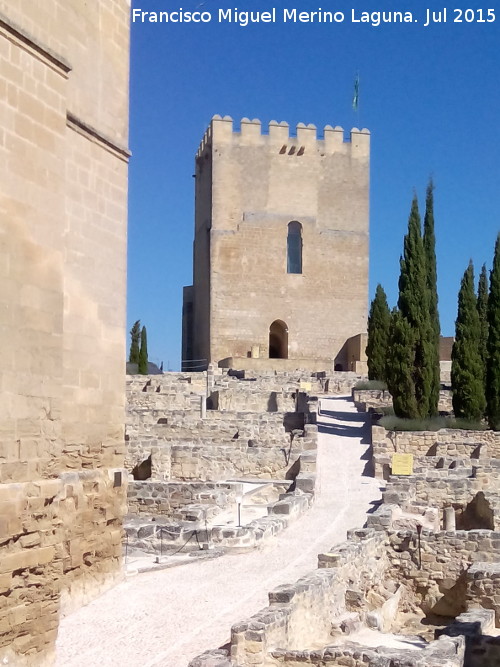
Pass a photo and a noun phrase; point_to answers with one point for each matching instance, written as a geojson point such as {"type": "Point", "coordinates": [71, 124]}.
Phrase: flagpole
{"type": "Point", "coordinates": [355, 101]}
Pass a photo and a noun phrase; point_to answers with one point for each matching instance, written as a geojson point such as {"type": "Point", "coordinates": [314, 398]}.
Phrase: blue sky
{"type": "Point", "coordinates": [429, 95]}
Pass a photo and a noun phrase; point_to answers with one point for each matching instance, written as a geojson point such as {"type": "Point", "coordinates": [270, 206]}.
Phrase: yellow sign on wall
{"type": "Point", "coordinates": [402, 464]}
{"type": "Point", "coordinates": [305, 386]}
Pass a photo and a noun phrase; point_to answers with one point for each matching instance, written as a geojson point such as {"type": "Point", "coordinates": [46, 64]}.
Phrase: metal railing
{"type": "Point", "coordinates": [193, 365]}
{"type": "Point", "coordinates": [159, 531]}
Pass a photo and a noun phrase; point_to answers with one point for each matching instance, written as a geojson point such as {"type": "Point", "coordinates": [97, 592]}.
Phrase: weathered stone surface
{"type": "Point", "coordinates": [63, 216]}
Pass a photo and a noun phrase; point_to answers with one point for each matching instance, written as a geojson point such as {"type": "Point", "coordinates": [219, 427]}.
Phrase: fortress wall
{"type": "Point", "coordinates": [63, 186]}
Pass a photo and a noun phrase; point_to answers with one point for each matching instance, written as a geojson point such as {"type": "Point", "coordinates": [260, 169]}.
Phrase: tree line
{"type": "Point", "coordinates": [403, 345]}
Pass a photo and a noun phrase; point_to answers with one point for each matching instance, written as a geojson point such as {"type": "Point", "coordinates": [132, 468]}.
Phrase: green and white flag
{"type": "Point", "coordinates": [355, 97]}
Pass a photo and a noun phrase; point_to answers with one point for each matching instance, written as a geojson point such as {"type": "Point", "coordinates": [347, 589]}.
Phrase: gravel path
{"type": "Point", "coordinates": [167, 617]}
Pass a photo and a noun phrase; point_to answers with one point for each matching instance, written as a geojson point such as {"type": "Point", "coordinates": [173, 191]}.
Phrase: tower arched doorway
{"type": "Point", "coordinates": [278, 340]}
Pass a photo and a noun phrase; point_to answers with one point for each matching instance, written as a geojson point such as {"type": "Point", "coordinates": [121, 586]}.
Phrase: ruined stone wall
{"type": "Point", "coordinates": [235, 430]}
{"type": "Point", "coordinates": [249, 187]}
{"type": "Point", "coordinates": [483, 588]}
{"type": "Point", "coordinates": [216, 457]}
{"type": "Point", "coordinates": [365, 399]}
{"type": "Point", "coordinates": [219, 462]}
{"type": "Point", "coordinates": [446, 651]}
{"type": "Point", "coordinates": [444, 443]}
{"type": "Point", "coordinates": [376, 576]}
{"type": "Point", "coordinates": [153, 497]}
{"type": "Point", "coordinates": [437, 579]}
{"type": "Point", "coordinates": [472, 492]}
{"type": "Point", "coordinates": [244, 398]}
{"type": "Point", "coordinates": [352, 581]}
{"type": "Point", "coordinates": [302, 613]}
{"type": "Point", "coordinates": [248, 431]}
{"type": "Point", "coordinates": [63, 203]}
{"type": "Point", "coordinates": [436, 574]}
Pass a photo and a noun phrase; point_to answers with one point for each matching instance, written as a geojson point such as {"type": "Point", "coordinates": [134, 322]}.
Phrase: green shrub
{"type": "Point", "coordinates": [392, 423]}
{"type": "Point", "coordinates": [370, 384]}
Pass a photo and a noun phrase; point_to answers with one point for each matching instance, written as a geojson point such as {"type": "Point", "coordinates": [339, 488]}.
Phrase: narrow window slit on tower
{"type": "Point", "coordinates": [294, 247]}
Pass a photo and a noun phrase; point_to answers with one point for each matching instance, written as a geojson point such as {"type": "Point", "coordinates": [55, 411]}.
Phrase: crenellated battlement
{"type": "Point", "coordinates": [252, 132]}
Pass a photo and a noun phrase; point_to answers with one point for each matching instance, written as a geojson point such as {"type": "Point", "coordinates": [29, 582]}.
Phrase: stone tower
{"type": "Point", "coordinates": [64, 72]}
{"type": "Point", "coordinates": [280, 249]}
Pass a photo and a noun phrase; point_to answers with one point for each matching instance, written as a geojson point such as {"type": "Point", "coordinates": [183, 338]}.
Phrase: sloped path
{"type": "Point", "coordinates": [165, 618]}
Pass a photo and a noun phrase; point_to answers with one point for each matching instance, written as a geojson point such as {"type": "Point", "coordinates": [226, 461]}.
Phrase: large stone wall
{"type": "Point", "coordinates": [249, 187]}
{"type": "Point", "coordinates": [63, 210]}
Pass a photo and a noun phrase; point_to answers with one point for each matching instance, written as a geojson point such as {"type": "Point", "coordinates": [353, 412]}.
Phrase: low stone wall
{"type": "Point", "coordinates": [267, 427]}
{"type": "Point", "coordinates": [474, 493]}
{"type": "Point", "coordinates": [244, 397]}
{"type": "Point", "coordinates": [164, 498]}
{"type": "Point", "coordinates": [280, 515]}
{"type": "Point", "coordinates": [447, 651]}
{"type": "Point", "coordinates": [186, 508]}
{"type": "Point", "coordinates": [219, 463]}
{"type": "Point", "coordinates": [258, 446]}
{"type": "Point", "coordinates": [443, 573]}
{"type": "Point", "coordinates": [161, 536]}
{"type": "Point", "coordinates": [366, 399]}
{"type": "Point", "coordinates": [454, 443]}
{"type": "Point", "coordinates": [304, 613]}
{"type": "Point", "coordinates": [436, 571]}
{"type": "Point", "coordinates": [483, 588]}
{"type": "Point", "coordinates": [208, 461]}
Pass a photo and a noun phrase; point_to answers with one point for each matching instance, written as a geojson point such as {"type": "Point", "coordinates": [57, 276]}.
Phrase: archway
{"type": "Point", "coordinates": [278, 340]}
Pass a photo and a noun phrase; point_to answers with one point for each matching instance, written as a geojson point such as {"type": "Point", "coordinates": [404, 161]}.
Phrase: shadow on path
{"type": "Point", "coordinates": [344, 416]}
{"type": "Point", "coordinates": [362, 431]}
{"type": "Point", "coordinates": [338, 398]}
{"type": "Point", "coordinates": [375, 504]}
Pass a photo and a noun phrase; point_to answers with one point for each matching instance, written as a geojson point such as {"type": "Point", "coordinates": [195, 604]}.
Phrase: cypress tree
{"type": "Point", "coordinates": [482, 310]}
{"type": "Point", "coordinates": [135, 333]}
{"type": "Point", "coordinates": [378, 333]}
{"type": "Point", "coordinates": [467, 378]}
{"type": "Point", "coordinates": [429, 241]}
{"type": "Point", "coordinates": [400, 367]}
{"type": "Point", "coordinates": [413, 304]}
{"type": "Point", "coordinates": [493, 365]}
{"type": "Point", "coordinates": [143, 353]}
